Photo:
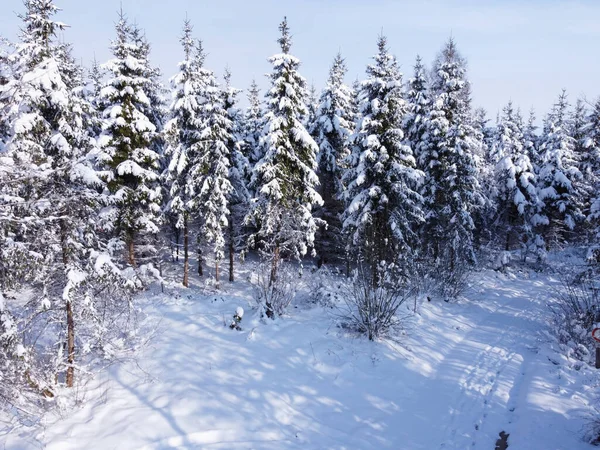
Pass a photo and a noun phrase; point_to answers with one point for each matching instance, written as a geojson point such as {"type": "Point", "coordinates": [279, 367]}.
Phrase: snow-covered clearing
{"type": "Point", "coordinates": [459, 375]}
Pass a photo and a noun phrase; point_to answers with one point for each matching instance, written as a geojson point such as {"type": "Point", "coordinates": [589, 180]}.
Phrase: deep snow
{"type": "Point", "coordinates": [454, 378]}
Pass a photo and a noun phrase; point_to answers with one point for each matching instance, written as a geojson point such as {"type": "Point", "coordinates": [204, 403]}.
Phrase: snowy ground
{"type": "Point", "coordinates": [459, 375]}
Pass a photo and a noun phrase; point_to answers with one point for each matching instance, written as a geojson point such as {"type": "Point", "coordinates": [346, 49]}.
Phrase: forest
{"type": "Point", "coordinates": [114, 182]}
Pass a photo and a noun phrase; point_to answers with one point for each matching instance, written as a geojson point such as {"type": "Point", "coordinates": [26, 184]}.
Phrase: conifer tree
{"type": "Point", "coordinates": [253, 125]}
{"type": "Point", "coordinates": [418, 107]}
{"type": "Point", "coordinates": [515, 191]}
{"type": "Point", "coordinates": [182, 135]}
{"type": "Point", "coordinates": [451, 188]}
{"type": "Point", "coordinates": [578, 131]}
{"type": "Point", "coordinates": [383, 207]}
{"type": "Point", "coordinates": [239, 170]}
{"type": "Point", "coordinates": [284, 180]}
{"type": "Point", "coordinates": [591, 164]}
{"type": "Point", "coordinates": [531, 140]}
{"type": "Point", "coordinates": [210, 172]}
{"type": "Point", "coordinates": [52, 193]}
{"type": "Point", "coordinates": [483, 217]}
{"type": "Point", "coordinates": [129, 155]}
{"type": "Point", "coordinates": [332, 128]}
{"type": "Point", "coordinates": [558, 175]}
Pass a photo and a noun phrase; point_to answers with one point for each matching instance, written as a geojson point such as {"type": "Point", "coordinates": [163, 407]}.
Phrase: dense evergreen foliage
{"type": "Point", "coordinates": [97, 172]}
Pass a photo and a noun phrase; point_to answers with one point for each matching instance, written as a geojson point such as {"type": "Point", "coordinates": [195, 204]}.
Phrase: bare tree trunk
{"type": "Point", "coordinates": [69, 310]}
{"type": "Point", "coordinates": [274, 265]}
{"type": "Point", "coordinates": [217, 271]}
{"type": "Point", "coordinates": [186, 256]}
{"type": "Point", "coordinates": [231, 258]}
{"type": "Point", "coordinates": [231, 249]}
{"type": "Point", "coordinates": [130, 250]}
{"type": "Point", "coordinates": [273, 278]}
{"type": "Point", "coordinates": [200, 271]}
{"type": "Point", "coordinates": [70, 345]}
{"type": "Point", "coordinates": [176, 246]}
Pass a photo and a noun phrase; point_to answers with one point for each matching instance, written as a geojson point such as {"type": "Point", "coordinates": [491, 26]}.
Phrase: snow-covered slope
{"type": "Point", "coordinates": [459, 375]}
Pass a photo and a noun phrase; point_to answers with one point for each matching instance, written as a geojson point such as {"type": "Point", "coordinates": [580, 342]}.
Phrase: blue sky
{"type": "Point", "coordinates": [520, 50]}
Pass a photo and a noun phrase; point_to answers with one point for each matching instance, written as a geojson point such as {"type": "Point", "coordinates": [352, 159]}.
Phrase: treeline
{"type": "Point", "coordinates": [99, 172]}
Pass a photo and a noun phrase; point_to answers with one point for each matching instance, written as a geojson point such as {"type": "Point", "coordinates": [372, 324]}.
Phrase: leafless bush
{"type": "Point", "coordinates": [441, 281]}
{"type": "Point", "coordinates": [372, 306]}
{"type": "Point", "coordinates": [274, 291]}
{"type": "Point", "coordinates": [324, 286]}
{"type": "Point", "coordinates": [575, 310]}
{"type": "Point", "coordinates": [451, 283]}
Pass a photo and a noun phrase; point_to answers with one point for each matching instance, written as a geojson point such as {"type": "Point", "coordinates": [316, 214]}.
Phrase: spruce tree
{"type": "Point", "coordinates": [515, 190]}
{"type": "Point", "coordinates": [591, 164]}
{"type": "Point", "coordinates": [558, 177]}
{"type": "Point", "coordinates": [210, 172]}
{"type": "Point", "coordinates": [332, 128]}
{"type": "Point", "coordinates": [182, 136]}
{"type": "Point", "coordinates": [531, 140]}
{"type": "Point", "coordinates": [578, 131]}
{"type": "Point", "coordinates": [128, 139]}
{"type": "Point", "coordinates": [312, 106]}
{"type": "Point", "coordinates": [253, 125]}
{"type": "Point", "coordinates": [419, 103]}
{"type": "Point", "coordinates": [284, 180]}
{"type": "Point", "coordinates": [451, 189]}
{"type": "Point", "coordinates": [383, 207]}
{"type": "Point", "coordinates": [53, 195]}
{"type": "Point", "coordinates": [239, 170]}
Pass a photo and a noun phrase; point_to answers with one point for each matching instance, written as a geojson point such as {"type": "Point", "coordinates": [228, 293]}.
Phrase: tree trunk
{"type": "Point", "coordinates": [273, 278]}
{"type": "Point", "coordinates": [186, 256]}
{"type": "Point", "coordinates": [177, 246]}
{"type": "Point", "coordinates": [217, 272]}
{"type": "Point", "coordinates": [63, 243]}
{"type": "Point", "coordinates": [69, 309]}
{"type": "Point", "coordinates": [231, 258]}
{"type": "Point", "coordinates": [131, 250]}
{"type": "Point", "coordinates": [274, 265]}
{"type": "Point", "coordinates": [70, 345]}
{"type": "Point", "coordinates": [200, 271]}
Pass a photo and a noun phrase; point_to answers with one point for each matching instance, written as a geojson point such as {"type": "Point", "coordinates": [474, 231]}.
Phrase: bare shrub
{"type": "Point", "coordinates": [452, 283]}
{"type": "Point", "coordinates": [274, 291]}
{"type": "Point", "coordinates": [324, 286]}
{"type": "Point", "coordinates": [371, 306]}
{"type": "Point", "coordinates": [448, 283]}
{"type": "Point", "coordinates": [575, 311]}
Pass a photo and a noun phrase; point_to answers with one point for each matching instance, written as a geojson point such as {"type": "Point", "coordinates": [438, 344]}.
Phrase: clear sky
{"type": "Point", "coordinates": [524, 50]}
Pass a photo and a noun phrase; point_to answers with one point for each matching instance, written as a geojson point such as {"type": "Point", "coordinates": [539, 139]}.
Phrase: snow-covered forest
{"type": "Point", "coordinates": [353, 241]}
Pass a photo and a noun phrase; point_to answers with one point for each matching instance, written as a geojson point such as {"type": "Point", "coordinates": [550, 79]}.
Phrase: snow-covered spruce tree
{"type": "Point", "coordinates": [312, 106]}
{"type": "Point", "coordinates": [149, 245]}
{"type": "Point", "coordinates": [95, 77]}
{"type": "Point", "coordinates": [284, 180]}
{"type": "Point", "coordinates": [584, 159]}
{"type": "Point", "coordinates": [531, 140]}
{"type": "Point", "coordinates": [128, 153]}
{"type": "Point", "coordinates": [558, 177]}
{"type": "Point", "coordinates": [51, 196]}
{"type": "Point", "coordinates": [332, 127]}
{"type": "Point", "coordinates": [253, 125]}
{"type": "Point", "coordinates": [419, 103]}
{"type": "Point", "coordinates": [239, 169]}
{"type": "Point", "coordinates": [483, 217]}
{"type": "Point", "coordinates": [515, 192]}
{"type": "Point", "coordinates": [183, 141]}
{"type": "Point", "coordinates": [210, 172]}
{"type": "Point", "coordinates": [451, 189]}
{"type": "Point", "coordinates": [383, 206]}
{"type": "Point", "coordinates": [591, 165]}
